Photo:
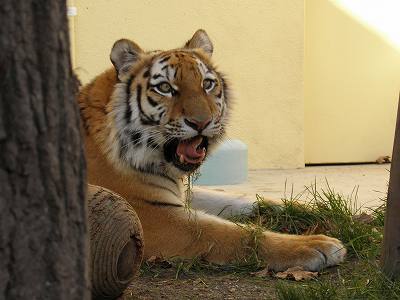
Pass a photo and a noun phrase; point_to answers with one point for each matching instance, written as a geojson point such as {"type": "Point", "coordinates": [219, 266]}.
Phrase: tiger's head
{"type": "Point", "coordinates": [170, 108]}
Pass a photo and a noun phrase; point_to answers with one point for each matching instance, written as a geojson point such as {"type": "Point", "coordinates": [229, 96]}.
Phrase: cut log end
{"type": "Point", "coordinates": [116, 241]}
{"type": "Point", "coordinates": [126, 262]}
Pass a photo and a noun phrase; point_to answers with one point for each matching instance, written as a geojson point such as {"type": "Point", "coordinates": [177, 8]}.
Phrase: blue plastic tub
{"type": "Point", "coordinates": [227, 165]}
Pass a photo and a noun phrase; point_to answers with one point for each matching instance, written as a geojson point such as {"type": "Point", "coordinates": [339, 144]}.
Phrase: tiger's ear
{"type": "Point", "coordinates": [200, 40]}
{"type": "Point", "coordinates": [123, 55]}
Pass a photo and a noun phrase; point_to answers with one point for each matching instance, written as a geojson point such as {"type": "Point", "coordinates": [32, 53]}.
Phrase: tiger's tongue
{"type": "Point", "coordinates": [187, 151]}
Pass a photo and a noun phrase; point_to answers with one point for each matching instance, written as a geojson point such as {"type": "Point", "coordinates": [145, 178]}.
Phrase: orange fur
{"type": "Point", "coordinates": [170, 229]}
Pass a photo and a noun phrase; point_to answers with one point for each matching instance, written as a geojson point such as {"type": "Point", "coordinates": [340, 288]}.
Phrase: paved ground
{"type": "Point", "coordinates": [370, 180]}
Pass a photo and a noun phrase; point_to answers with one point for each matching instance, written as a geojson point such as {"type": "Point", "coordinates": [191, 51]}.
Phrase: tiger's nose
{"type": "Point", "coordinates": [196, 124]}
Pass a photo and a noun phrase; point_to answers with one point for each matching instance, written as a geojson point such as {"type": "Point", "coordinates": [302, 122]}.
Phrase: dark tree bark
{"type": "Point", "coordinates": [43, 232]}
{"type": "Point", "coordinates": [391, 242]}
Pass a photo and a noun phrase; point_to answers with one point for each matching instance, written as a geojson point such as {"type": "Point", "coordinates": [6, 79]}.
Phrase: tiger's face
{"type": "Point", "coordinates": [170, 107]}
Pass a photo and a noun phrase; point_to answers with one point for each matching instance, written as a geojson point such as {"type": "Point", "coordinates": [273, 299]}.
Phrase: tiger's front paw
{"type": "Point", "coordinates": [312, 252]}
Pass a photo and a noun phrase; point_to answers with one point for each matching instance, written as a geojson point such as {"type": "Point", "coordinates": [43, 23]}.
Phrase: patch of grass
{"type": "Point", "coordinates": [330, 213]}
{"type": "Point", "coordinates": [379, 214]}
{"type": "Point", "coordinates": [188, 267]}
{"type": "Point", "coordinates": [361, 280]}
{"type": "Point", "coordinates": [325, 212]}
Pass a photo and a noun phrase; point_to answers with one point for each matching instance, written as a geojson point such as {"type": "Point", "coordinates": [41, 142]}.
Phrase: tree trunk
{"type": "Point", "coordinates": [43, 231]}
{"type": "Point", "coordinates": [391, 243]}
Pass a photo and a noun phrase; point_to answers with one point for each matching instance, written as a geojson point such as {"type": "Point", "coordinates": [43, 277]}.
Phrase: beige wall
{"type": "Point", "coordinates": [258, 44]}
{"type": "Point", "coordinates": [351, 73]}
{"type": "Point", "coordinates": [352, 81]}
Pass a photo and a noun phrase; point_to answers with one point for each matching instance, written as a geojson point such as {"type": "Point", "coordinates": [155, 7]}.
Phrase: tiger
{"type": "Point", "coordinates": [152, 119]}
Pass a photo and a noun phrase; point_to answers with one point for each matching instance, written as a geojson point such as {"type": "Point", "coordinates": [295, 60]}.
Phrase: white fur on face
{"type": "Point", "coordinates": [140, 127]}
{"type": "Point", "coordinates": [130, 142]}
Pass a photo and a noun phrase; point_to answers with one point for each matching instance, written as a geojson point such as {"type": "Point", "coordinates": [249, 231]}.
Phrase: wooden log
{"type": "Point", "coordinates": [116, 242]}
{"type": "Point", "coordinates": [391, 241]}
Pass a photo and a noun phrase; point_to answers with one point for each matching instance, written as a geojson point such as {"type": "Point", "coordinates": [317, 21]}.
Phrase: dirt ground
{"type": "Point", "coordinates": [161, 283]}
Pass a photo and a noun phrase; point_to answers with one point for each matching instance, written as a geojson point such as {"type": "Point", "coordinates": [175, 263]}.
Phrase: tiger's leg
{"type": "Point", "coordinates": [225, 204]}
{"type": "Point", "coordinates": [171, 231]}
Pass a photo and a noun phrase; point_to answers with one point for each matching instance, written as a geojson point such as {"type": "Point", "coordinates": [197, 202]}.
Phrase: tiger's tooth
{"type": "Point", "coordinates": [200, 139]}
{"type": "Point", "coordinates": [181, 159]}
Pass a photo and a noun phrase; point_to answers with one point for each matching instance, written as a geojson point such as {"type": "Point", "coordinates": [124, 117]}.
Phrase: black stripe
{"type": "Point", "coordinates": [155, 76]}
{"type": "Point", "coordinates": [138, 93]}
{"type": "Point", "coordinates": [152, 171]}
{"type": "Point", "coordinates": [222, 110]}
{"type": "Point", "coordinates": [167, 73]}
{"type": "Point", "coordinates": [156, 203]}
{"type": "Point", "coordinates": [224, 85]}
{"type": "Point", "coordinates": [146, 74]}
{"type": "Point", "coordinates": [128, 112]}
{"type": "Point", "coordinates": [165, 59]}
{"type": "Point", "coordinates": [145, 119]}
{"type": "Point", "coordinates": [323, 255]}
{"type": "Point", "coordinates": [220, 94]}
{"type": "Point", "coordinates": [152, 101]}
{"type": "Point", "coordinates": [136, 137]}
{"type": "Point", "coordinates": [128, 86]}
{"type": "Point", "coordinates": [98, 130]}
{"type": "Point", "coordinates": [151, 143]}
{"type": "Point", "coordinates": [161, 114]}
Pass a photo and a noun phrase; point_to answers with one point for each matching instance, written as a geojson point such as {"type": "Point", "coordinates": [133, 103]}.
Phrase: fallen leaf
{"type": "Point", "coordinates": [159, 261]}
{"type": "Point", "coordinates": [383, 159]}
{"type": "Point", "coordinates": [152, 259]}
{"type": "Point", "coordinates": [296, 273]}
{"type": "Point", "coordinates": [262, 273]}
{"type": "Point", "coordinates": [363, 218]}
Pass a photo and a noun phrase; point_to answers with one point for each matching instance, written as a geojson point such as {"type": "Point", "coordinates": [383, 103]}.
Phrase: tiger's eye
{"type": "Point", "coordinates": [165, 88]}
{"type": "Point", "coordinates": [208, 84]}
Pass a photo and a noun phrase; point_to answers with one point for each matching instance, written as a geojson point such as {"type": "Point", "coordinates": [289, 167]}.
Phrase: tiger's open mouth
{"type": "Point", "coordinates": [187, 155]}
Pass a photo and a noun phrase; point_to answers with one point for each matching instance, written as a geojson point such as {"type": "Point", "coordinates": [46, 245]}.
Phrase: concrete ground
{"type": "Point", "coordinates": [370, 182]}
